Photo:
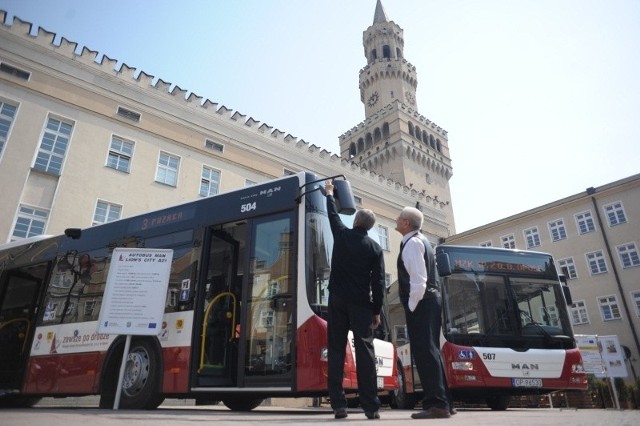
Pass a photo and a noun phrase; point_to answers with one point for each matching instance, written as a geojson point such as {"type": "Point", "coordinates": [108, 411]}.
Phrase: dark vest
{"type": "Point", "coordinates": [404, 284]}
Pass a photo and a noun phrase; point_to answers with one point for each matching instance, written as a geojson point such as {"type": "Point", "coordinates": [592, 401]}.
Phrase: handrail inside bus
{"type": "Point", "coordinates": [26, 332]}
{"type": "Point", "coordinates": [206, 320]}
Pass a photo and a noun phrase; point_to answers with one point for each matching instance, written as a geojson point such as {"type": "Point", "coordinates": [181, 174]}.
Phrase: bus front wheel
{"type": "Point", "coordinates": [498, 402]}
{"type": "Point", "coordinates": [238, 403]}
{"type": "Point", "coordinates": [142, 381]}
{"type": "Point", "coordinates": [399, 398]}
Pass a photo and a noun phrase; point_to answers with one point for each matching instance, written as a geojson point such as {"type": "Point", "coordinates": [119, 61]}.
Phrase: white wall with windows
{"type": "Point", "coordinates": [594, 237]}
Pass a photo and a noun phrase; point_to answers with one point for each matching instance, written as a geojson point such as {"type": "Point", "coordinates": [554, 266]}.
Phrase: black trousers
{"type": "Point", "coordinates": [424, 325]}
{"type": "Point", "coordinates": [345, 316]}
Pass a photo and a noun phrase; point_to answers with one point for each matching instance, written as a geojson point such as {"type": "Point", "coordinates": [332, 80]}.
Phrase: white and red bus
{"type": "Point", "coordinates": [506, 328]}
{"type": "Point", "coordinates": [245, 312]}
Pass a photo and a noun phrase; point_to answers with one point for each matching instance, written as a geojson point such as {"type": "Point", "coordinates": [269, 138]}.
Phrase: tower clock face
{"type": "Point", "coordinates": [373, 99]}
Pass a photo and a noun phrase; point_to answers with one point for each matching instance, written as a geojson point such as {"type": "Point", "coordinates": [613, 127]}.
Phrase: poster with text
{"type": "Point", "coordinates": [136, 291]}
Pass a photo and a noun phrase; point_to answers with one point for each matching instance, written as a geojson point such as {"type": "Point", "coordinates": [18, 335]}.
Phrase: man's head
{"type": "Point", "coordinates": [365, 218]}
{"type": "Point", "coordinates": [409, 220]}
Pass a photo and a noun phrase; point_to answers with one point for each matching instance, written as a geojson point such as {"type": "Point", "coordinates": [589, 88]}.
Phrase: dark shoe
{"type": "Point", "coordinates": [372, 416]}
{"type": "Point", "coordinates": [453, 411]}
{"type": "Point", "coordinates": [340, 413]}
{"type": "Point", "coordinates": [432, 413]}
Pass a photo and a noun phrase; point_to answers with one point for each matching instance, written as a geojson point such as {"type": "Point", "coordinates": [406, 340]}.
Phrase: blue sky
{"type": "Point", "coordinates": [541, 98]}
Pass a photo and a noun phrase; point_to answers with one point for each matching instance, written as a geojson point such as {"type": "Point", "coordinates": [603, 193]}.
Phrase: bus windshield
{"type": "Point", "coordinates": [483, 308]}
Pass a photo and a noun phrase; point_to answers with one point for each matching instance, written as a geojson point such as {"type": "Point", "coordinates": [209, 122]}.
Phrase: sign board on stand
{"type": "Point", "coordinates": [135, 297]}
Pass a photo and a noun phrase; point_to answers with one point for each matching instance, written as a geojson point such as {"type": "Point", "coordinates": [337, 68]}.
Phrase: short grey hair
{"type": "Point", "coordinates": [414, 216]}
{"type": "Point", "coordinates": [365, 218]}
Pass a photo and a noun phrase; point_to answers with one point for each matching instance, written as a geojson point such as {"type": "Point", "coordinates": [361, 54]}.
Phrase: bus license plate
{"type": "Point", "coordinates": [527, 383]}
{"type": "Point", "coordinates": [380, 382]}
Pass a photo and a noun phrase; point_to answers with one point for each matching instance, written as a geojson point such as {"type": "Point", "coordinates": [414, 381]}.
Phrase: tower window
{"type": "Point", "coordinates": [386, 51]}
{"type": "Point", "coordinates": [374, 55]}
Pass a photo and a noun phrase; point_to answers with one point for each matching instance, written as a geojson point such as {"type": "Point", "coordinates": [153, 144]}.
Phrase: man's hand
{"type": "Point", "coordinates": [328, 187]}
{"type": "Point", "coordinates": [376, 321]}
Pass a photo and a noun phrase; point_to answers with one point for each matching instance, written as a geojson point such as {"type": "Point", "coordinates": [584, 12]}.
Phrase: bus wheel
{"type": "Point", "coordinates": [399, 398]}
{"type": "Point", "coordinates": [13, 401]}
{"type": "Point", "coordinates": [353, 402]}
{"type": "Point", "coordinates": [498, 402]}
{"type": "Point", "coordinates": [142, 378]}
{"type": "Point", "coordinates": [238, 403]}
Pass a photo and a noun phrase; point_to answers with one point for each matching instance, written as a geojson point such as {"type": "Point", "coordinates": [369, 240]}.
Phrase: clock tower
{"type": "Point", "coordinates": [388, 75]}
{"type": "Point", "coordinates": [395, 140]}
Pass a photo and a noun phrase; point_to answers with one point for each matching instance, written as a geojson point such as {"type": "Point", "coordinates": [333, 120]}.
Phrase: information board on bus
{"type": "Point", "coordinates": [136, 291]}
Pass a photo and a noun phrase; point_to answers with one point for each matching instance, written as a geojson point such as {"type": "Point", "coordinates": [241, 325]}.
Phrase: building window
{"type": "Point", "coordinates": [358, 200]}
{"type": "Point", "coordinates": [210, 182]}
{"type": "Point", "coordinates": [214, 146]}
{"type": "Point", "coordinates": [508, 241]}
{"type": "Point", "coordinates": [635, 296]}
{"type": "Point", "coordinates": [486, 244]}
{"type": "Point", "coordinates": [387, 280]}
{"type": "Point", "coordinates": [532, 237]}
{"type": "Point", "coordinates": [53, 147]}
{"type": "Point", "coordinates": [128, 114]}
{"type": "Point", "coordinates": [16, 72]}
{"type": "Point", "coordinates": [167, 171]}
{"type": "Point", "coordinates": [266, 319]}
{"type": "Point", "coordinates": [628, 255]}
{"type": "Point", "coordinates": [549, 314]}
{"type": "Point", "coordinates": [557, 230]}
{"type": "Point", "coordinates": [585, 222]}
{"type": "Point", "coordinates": [7, 113]}
{"type": "Point", "coordinates": [570, 267]}
{"type": "Point", "coordinates": [579, 313]}
{"type": "Point", "coordinates": [287, 172]}
{"type": "Point", "coordinates": [383, 237]}
{"type": "Point", "coordinates": [596, 262]}
{"type": "Point", "coordinates": [30, 222]}
{"type": "Point", "coordinates": [615, 213]}
{"type": "Point", "coordinates": [89, 308]}
{"type": "Point", "coordinates": [106, 212]}
{"type": "Point", "coordinates": [249, 182]}
{"type": "Point", "coordinates": [120, 153]}
{"type": "Point", "coordinates": [609, 308]}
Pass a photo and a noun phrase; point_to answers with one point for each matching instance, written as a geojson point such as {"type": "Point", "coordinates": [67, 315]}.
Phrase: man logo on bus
{"type": "Point", "coordinates": [525, 367]}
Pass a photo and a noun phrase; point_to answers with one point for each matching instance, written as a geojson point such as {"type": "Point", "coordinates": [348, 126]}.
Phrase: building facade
{"type": "Point", "coordinates": [83, 143]}
{"type": "Point", "coordinates": [594, 238]}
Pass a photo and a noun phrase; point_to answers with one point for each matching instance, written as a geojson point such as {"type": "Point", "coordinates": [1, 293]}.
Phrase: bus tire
{"type": "Point", "coordinates": [142, 381]}
{"type": "Point", "coordinates": [239, 403]}
{"type": "Point", "coordinates": [18, 401]}
{"type": "Point", "coordinates": [399, 398]}
{"type": "Point", "coordinates": [498, 402]}
{"type": "Point", "coordinates": [353, 402]}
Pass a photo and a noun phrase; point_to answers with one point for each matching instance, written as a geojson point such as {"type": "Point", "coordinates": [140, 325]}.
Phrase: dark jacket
{"type": "Point", "coordinates": [357, 264]}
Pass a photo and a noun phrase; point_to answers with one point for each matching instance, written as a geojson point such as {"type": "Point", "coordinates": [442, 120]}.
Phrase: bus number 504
{"type": "Point", "coordinates": [248, 207]}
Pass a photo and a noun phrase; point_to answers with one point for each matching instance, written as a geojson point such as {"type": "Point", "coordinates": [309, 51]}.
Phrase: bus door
{"type": "Point", "coordinates": [220, 326]}
{"type": "Point", "coordinates": [268, 321]}
{"type": "Point", "coordinates": [19, 290]}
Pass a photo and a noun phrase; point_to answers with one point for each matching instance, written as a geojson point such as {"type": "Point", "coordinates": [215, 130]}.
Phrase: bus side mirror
{"type": "Point", "coordinates": [345, 202]}
{"type": "Point", "coordinates": [443, 264]}
{"type": "Point", "coordinates": [567, 294]}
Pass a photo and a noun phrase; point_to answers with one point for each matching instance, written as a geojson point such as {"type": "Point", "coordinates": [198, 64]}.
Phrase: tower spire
{"type": "Point", "coordinates": [379, 15]}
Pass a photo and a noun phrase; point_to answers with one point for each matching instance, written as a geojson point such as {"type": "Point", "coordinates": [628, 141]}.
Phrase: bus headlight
{"type": "Point", "coordinates": [577, 368]}
{"type": "Point", "coordinates": [462, 365]}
